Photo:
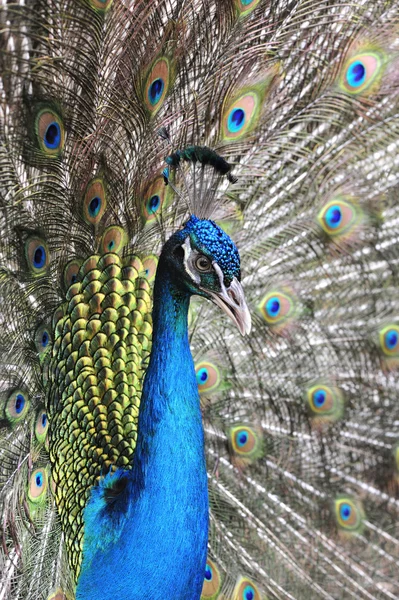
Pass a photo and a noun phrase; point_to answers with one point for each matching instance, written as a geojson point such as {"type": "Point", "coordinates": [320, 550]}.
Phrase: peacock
{"type": "Point", "coordinates": [199, 300]}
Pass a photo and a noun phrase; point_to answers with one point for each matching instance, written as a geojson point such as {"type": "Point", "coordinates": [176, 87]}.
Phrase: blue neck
{"type": "Point", "coordinates": [170, 384]}
{"type": "Point", "coordinates": [154, 542]}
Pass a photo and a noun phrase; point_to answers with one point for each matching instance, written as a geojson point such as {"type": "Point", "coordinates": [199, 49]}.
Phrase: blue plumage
{"type": "Point", "coordinates": [212, 241]}
{"type": "Point", "coordinates": [146, 529]}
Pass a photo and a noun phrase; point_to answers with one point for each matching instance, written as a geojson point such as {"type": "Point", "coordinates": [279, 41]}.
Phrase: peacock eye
{"type": "Point", "coordinates": [203, 263]}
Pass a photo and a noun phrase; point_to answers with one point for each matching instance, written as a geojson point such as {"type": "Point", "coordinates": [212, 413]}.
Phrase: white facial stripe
{"type": "Point", "coordinates": [188, 251]}
{"type": "Point", "coordinates": [219, 273]}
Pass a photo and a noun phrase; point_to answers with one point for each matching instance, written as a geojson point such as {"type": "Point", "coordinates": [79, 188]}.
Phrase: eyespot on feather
{"type": "Point", "coordinates": [150, 264]}
{"type": "Point", "coordinates": [42, 340]}
{"type": "Point", "coordinates": [17, 406]}
{"type": "Point", "coordinates": [212, 581]}
{"type": "Point", "coordinates": [245, 445]}
{"type": "Point", "coordinates": [389, 340]}
{"type": "Point", "coordinates": [41, 426]}
{"type": "Point", "coordinates": [244, 441]}
{"type": "Point", "coordinates": [71, 271]}
{"type": "Point", "coordinates": [94, 202]}
{"type": "Point", "coordinates": [157, 84]}
{"type": "Point", "coordinates": [339, 217]}
{"type": "Point", "coordinates": [50, 132]}
{"type": "Point", "coordinates": [244, 7]}
{"type": "Point", "coordinates": [38, 483]}
{"type": "Point", "coordinates": [113, 239]}
{"type": "Point", "coordinates": [208, 377]}
{"type": "Point", "coordinates": [240, 116]}
{"type": "Point", "coordinates": [241, 111]}
{"type": "Point", "coordinates": [278, 308]}
{"type": "Point", "coordinates": [246, 589]}
{"type": "Point", "coordinates": [155, 198]}
{"type": "Point", "coordinates": [349, 514]}
{"type": "Point", "coordinates": [37, 255]}
{"type": "Point", "coordinates": [362, 72]}
{"type": "Point", "coordinates": [325, 402]}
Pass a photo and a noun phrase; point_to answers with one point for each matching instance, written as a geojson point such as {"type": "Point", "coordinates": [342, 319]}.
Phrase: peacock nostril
{"type": "Point", "coordinates": [232, 296]}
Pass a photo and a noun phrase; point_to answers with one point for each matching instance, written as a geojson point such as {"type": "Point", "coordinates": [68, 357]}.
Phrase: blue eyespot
{"type": "Point", "coordinates": [349, 513]}
{"type": "Point", "coordinates": [94, 206]}
{"type": "Point", "coordinates": [273, 306]}
{"type": "Point", "coordinates": [153, 203]}
{"type": "Point", "coordinates": [333, 216]}
{"type": "Point", "coordinates": [74, 279]}
{"type": "Point", "coordinates": [17, 406]}
{"type": "Point", "coordinates": [94, 201]}
{"type": "Point", "coordinates": [52, 136]}
{"type": "Point", "coordinates": [208, 573]}
{"type": "Point", "coordinates": [41, 427]}
{"type": "Point", "coordinates": [391, 339]}
{"type": "Point", "coordinates": [155, 91]}
{"type": "Point", "coordinates": [319, 397]}
{"type": "Point", "coordinates": [45, 339]}
{"type": "Point", "coordinates": [19, 403]}
{"type": "Point", "coordinates": [37, 486]}
{"type": "Point", "coordinates": [249, 593]}
{"type": "Point", "coordinates": [49, 130]}
{"type": "Point", "coordinates": [356, 74]}
{"type": "Point", "coordinates": [345, 511]}
{"type": "Point", "coordinates": [242, 438]}
{"type": "Point", "coordinates": [236, 120]}
{"type": "Point", "coordinates": [244, 442]}
{"type": "Point", "coordinates": [39, 257]}
{"type": "Point", "coordinates": [113, 240]}
{"type": "Point", "coordinates": [39, 479]}
{"type": "Point", "coordinates": [202, 376]}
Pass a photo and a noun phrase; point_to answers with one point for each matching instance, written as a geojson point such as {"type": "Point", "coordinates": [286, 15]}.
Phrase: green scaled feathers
{"type": "Point", "coordinates": [102, 339]}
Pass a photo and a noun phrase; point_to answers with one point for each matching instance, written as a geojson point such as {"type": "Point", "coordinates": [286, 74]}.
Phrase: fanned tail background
{"type": "Point", "coordinates": [302, 417]}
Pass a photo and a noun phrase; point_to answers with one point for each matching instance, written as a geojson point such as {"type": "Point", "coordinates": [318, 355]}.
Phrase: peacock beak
{"type": "Point", "coordinates": [232, 301]}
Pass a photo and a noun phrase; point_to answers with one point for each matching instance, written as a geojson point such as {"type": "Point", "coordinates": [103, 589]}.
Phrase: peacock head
{"type": "Point", "coordinates": [203, 260]}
